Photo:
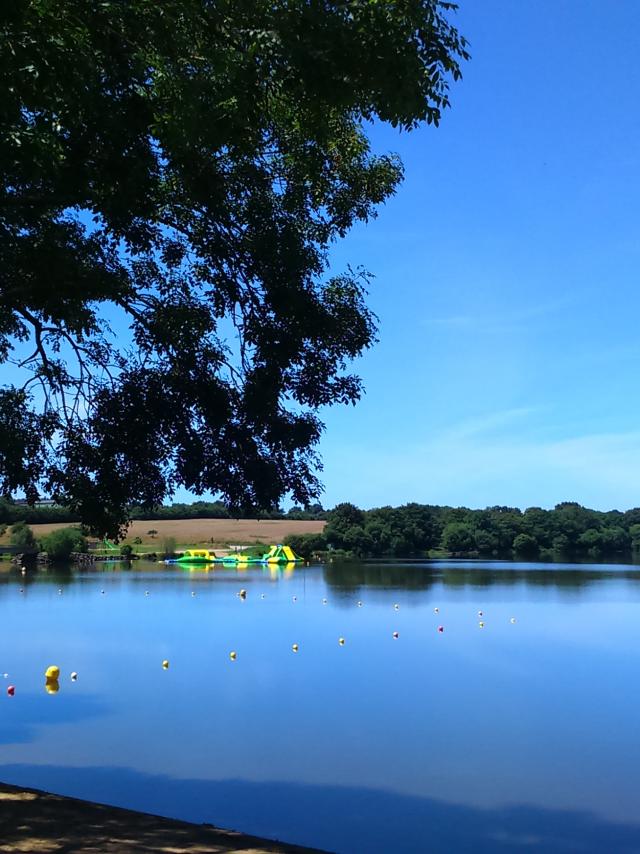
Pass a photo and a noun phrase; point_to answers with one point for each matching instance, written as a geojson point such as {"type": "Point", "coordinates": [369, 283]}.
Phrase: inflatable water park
{"type": "Point", "coordinates": [276, 555]}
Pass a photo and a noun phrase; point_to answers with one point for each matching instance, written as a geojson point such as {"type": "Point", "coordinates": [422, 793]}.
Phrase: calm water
{"type": "Point", "coordinates": [515, 736]}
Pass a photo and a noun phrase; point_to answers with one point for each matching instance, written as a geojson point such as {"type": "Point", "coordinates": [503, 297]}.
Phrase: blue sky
{"type": "Point", "coordinates": [506, 277]}
{"type": "Point", "coordinates": [506, 268]}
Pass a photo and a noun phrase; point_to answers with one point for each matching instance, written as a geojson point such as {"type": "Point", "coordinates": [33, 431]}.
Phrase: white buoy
{"type": "Point", "coordinates": [341, 641]}
{"type": "Point", "coordinates": [74, 676]}
{"type": "Point", "coordinates": [396, 606]}
{"type": "Point", "coordinates": [512, 620]}
{"type": "Point", "coordinates": [295, 647]}
{"type": "Point", "coordinates": [436, 610]}
{"type": "Point", "coordinates": [396, 635]}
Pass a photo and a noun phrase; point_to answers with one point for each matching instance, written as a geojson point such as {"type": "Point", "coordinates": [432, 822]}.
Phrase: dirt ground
{"type": "Point", "coordinates": [191, 532]}
{"type": "Point", "coordinates": [37, 821]}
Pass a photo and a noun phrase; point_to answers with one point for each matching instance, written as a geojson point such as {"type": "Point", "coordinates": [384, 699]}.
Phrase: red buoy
{"type": "Point", "coordinates": [440, 628]}
{"type": "Point", "coordinates": [11, 690]}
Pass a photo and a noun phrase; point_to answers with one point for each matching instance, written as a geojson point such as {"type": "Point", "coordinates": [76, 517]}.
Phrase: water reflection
{"type": "Point", "coordinates": [383, 743]}
{"type": "Point", "coordinates": [350, 576]}
{"type": "Point", "coordinates": [345, 818]}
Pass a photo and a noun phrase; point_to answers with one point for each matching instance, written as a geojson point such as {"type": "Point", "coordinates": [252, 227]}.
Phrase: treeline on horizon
{"type": "Point", "coordinates": [568, 532]}
{"type": "Point", "coordinates": [11, 512]}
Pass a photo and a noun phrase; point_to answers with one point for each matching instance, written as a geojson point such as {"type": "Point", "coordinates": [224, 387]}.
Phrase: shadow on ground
{"type": "Point", "coordinates": [335, 818]}
{"type": "Point", "coordinates": [32, 820]}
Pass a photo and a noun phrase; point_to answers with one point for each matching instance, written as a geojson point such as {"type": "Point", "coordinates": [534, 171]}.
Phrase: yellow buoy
{"type": "Point", "coordinates": [341, 641]}
{"type": "Point", "coordinates": [52, 672]}
{"type": "Point", "coordinates": [481, 624]}
{"type": "Point", "coordinates": [295, 647]}
{"type": "Point", "coordinates": [165, 664]}
{"type": "Point", "coordinates": [52, 686]}
{"type": "Point", "coordinates": [233, 656]}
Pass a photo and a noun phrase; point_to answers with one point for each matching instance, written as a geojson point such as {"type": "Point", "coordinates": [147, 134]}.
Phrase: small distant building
{"type": "Point", "coordinates": [41, 502]}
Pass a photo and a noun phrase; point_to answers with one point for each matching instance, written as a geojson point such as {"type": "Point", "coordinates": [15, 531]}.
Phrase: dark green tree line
{"type": "Point", "coordinates": [567, 532]}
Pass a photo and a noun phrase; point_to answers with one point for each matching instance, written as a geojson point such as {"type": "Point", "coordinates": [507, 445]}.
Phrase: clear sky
{"type": "Point", "coordinates": [508, 368]}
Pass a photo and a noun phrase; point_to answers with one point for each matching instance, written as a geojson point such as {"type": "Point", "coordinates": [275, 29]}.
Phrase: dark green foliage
{"type": "Point", "coordinates": [126, 550]}
{"type": "Point", "coordinates": [525, 546]}
{"type": "Point", "coordinates": [569, 532]}
{"type": "Point", "coordinates": [22, 536]}
{"type": "Point", "coordinates": [179, 169]}
{"type": "Point", "coordinates": [306, 545]}
{"type": "Point", "coordinates": [61, 543]}
{"type": "Point", "coordinates": [458, 538]}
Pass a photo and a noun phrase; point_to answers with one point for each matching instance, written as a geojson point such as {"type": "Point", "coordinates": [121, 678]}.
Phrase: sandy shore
{"type": "Point", "coordinates": [34, 821]}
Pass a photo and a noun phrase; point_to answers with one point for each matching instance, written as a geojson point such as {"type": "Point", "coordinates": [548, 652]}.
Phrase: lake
{"type": "Point", "coordinates": [518, 735]}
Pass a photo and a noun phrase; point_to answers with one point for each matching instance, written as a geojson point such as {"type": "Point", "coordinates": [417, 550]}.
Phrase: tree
{"type": "Point", "coordinates": [22, 536]}
{"type": "Point", "coordinates": [525, 546]}
{"type": "Point", "coordinates": [152, 533]}
{"type": "Point", "coordinates": [61, 543]}
{"type": "Point", "coordinates": [458, 537]}
{"type": "Point", "coordinates": [306, 545]}
{"type": "Point", "coordinates": [174, 175]}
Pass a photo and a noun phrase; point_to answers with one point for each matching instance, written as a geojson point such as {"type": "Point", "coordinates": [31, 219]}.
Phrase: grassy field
{"type": "Point", "coordinates": [192, 532]}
